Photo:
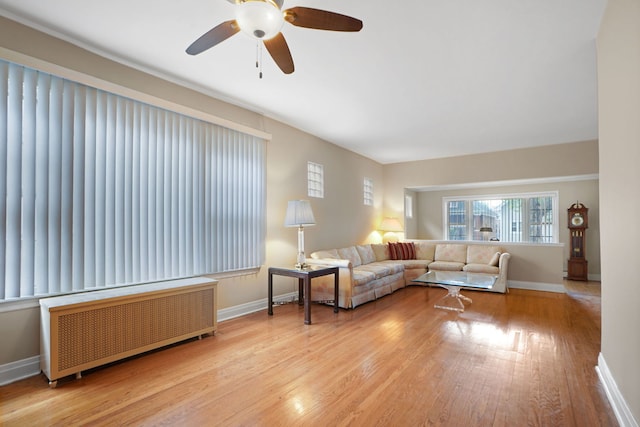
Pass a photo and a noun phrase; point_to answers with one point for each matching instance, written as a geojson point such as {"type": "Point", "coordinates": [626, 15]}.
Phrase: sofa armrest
{"type": "Point", "coordinates": [322, 287]}
{"type": "Point", "coordinates": [503, 265]}
{"type": "Point", "coordinates": [344, 263]}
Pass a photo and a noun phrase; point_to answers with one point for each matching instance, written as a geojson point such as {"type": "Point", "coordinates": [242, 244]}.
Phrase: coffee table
{"type": "Point", "coordinates": [453, 281]}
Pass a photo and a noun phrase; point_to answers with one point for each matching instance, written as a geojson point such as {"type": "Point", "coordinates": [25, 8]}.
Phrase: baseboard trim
{"type": "Point", "coordinates": [537, 286]}
{"type": "Point", "coordinates": [25, 368]}
{"type": "Point", "coordinates": [590, 277]}
{"type": "Point", "coordinates": [19, 370]}
{"type": "Point", "coordinates": [252, 307]}
{"type": "Point", "coordinates": [620, 407]}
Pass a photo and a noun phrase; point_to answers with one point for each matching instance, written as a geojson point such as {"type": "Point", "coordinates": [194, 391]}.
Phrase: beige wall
{"type": "Point", "coordinates": [287, 156]}
{"type": "Point", "coordinates": [574, 159]}
{"type": "Point", "coordinates": [619, 128]}
{"type": "Point", "coordinates": [429, 220]}
{"type": "Point", "coordinates": [502, 172]}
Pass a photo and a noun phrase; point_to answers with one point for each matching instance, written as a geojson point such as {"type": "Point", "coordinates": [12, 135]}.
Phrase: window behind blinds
{"type": "Point", "coordinates": [528, 217]}
{"type": "Point", "coordinates": [100, 190]}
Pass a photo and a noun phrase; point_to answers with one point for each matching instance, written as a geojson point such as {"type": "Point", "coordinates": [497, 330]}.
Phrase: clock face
{"type": "Point", "coordinates": [577, 220]}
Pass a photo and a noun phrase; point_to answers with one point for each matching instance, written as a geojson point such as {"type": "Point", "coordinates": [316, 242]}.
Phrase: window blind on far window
{"type": "Point", "coordinates": [99, 190]}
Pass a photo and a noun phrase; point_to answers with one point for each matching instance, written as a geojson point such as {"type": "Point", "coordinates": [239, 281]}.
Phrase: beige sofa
{"type": "Point", "coordinates": [368, 272]}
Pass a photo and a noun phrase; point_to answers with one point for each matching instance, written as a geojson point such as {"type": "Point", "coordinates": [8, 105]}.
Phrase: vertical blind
{"type": "Point", "coordinates": [100, 190]}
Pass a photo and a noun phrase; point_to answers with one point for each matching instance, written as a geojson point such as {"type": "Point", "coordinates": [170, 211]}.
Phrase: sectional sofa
{"type": "Point", "coordinates": [370, 271]}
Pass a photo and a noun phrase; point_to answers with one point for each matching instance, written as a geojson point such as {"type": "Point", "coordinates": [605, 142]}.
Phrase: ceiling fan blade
{"type": "Point", "coordinates": [214, 36]}
{"type": "Point", "coordinates": [279, 51]}
{"type": "Point", "coordinates": [321, 19]}
{"type": "Point", "coordinates": [277, 2]}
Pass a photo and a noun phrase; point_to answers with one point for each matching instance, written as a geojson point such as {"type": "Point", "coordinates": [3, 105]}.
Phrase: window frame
{"type": "Point", "coordinates": [523, 225]}
{"type": "Point", "coordinates": [121, 92]}
{"type": "Point", "coordinates": [367, 191]}
{"type": "Point", "coordinates": [315, 180]}
{"type": "Point", "coordinates": [408, 206]}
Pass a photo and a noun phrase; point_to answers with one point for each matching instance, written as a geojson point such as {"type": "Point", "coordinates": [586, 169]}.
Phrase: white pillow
{"type": "Point", "coordinates": [366, 254]}
{"type": "Point", "coordinates": [495, 259]}
{"type": "Point", "coordinates": [351, 254]}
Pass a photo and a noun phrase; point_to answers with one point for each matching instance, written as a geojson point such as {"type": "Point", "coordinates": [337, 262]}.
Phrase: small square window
{"type": "Point", "coordinates": [368, 192]}
{"type": "Point", "coordinates": [315, 180]}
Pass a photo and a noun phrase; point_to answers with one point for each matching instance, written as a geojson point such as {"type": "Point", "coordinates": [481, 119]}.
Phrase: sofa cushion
{"type": "Point", "coordinates": [481, 254]}
{"type": "Point", "coordinates": [377, 268]}
{"type": "Point", "coordinates": [446, 265]}
{"type": "Point", "coordinates": [425, 250]}
{"type": "Point", "coordinates": [361, 277]}
{"type": "Point", "coordinates": [381, 251]}
{"type": "Point", "coordinates": [394, 266]}
{"type": "Point", "coordinates": [404, 250]}
{"type": "Point", "coordinates": [481, 268]}
{"type": "Point", "coordinates": [410, 263]}
{"type": "Point", "coordinates": [451, 252]}
{"type": "Point", "coordinates": [366, 254]}
{"type": "Point", "coordinates": [351, 254]}
{"type": "Point", "coordinates": [331, 253]}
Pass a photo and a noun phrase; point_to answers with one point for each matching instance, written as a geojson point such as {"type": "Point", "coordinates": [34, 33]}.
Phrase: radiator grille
{"type": "Point", "coordinates": [102, 333]}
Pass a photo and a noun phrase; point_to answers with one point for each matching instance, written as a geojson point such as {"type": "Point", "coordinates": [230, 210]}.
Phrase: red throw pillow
{"type": "Point", "coordinates": [408, 250]}
{"type": "Point", "coordinates": [394, 251]}
{"type": "Point", "coordinates": [399, 251]}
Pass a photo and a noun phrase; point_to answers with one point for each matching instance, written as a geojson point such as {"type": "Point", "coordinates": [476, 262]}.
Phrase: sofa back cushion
{"type": "Point", "coordinates": [329, 253]}
{"type": "Point", "coordinates": [481, 254]}
{"type": "Point", "coordinates": [425, 250]}
{"type": "Point", "coordinates": [350, 253]}
{"type": "Point", "coordinates": [451, 252]}
{"type": "Point", "coordinates": [381, 251]}
{"type": "Point", "coordinates": [366, 254]}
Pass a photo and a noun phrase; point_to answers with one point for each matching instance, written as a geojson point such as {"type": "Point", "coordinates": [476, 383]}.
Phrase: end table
{"type": "Point", "coordinates": [304, 276]}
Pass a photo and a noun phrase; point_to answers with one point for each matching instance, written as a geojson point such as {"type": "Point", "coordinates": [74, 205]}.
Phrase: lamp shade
{"type": "Point", "coordinates": [299, 213]}
{"type": "Point", "coordinates": [486, 230]}
{"type": "Point", "coordinates": [390, 225]}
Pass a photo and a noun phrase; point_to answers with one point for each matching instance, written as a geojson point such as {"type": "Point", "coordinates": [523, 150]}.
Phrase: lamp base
{"type": "Point", "coordinates": [302, 266]}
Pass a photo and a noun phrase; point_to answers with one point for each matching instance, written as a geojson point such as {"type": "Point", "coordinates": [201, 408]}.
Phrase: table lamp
{"type": "Point", "coordinates": [390, 226]}
{"type": "Point", "coordinates": [299, 214]}
{"type": "Point", "coordinates": [486, 231]}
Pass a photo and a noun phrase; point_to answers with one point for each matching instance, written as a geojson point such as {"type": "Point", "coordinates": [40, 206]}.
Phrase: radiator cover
{"type": "Point", "coordinates": [82, 331]}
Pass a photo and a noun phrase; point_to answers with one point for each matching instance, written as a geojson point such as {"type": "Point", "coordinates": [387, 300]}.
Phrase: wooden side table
{"type": "Point", "coordinates": [304, 277]}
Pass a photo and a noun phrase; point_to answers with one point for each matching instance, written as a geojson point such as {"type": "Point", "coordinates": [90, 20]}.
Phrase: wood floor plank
{"type": "Point", "coordinates": [525, 358]}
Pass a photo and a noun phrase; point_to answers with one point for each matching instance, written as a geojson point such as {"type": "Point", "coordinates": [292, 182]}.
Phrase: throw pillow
{"type": "Point", "coordinates": [494, 259]}
{"type": "Point", "coordinates": [400, 251]}
{"type": "Point", "coordinates": [381, 251]}
{"type": "Point", "coordinates": [351, 254]}
{"type": "Point", "coordinates": [366, 254]}
{"type": "Point", "coordinates": [394, 251]}
{"type": "Point", "coordinates": [408, 250]}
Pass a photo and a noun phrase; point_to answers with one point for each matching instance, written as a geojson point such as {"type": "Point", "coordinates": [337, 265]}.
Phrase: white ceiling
{"type": "Point", "coordinates": [423, 79]}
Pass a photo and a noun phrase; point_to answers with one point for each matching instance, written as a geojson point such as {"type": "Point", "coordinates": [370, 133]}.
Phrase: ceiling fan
{"type": "Point", "coordinates": [263, 19]}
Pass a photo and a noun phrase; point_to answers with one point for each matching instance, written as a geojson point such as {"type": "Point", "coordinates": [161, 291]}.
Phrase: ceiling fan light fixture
{"type": "Point", "coordinates": [261, 19]}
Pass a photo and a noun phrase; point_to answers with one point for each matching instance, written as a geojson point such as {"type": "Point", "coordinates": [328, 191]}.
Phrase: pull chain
{"type": "Point", "coordinates": [259, 58]}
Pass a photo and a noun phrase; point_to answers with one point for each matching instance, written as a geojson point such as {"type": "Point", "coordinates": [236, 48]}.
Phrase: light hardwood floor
{"type": "Point", "coordinates": [525, 358]}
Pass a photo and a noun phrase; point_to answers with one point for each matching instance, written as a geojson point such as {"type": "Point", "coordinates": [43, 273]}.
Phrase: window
{"type": "Point", "coordinates": [315, 180]}
{"type": "Point", "coordinates": [368, 192]}
{"type": "Point", "coordinates": [99, 190]}
{"type": "Point", "coordinates": [529, 218]}
{"type": "Point", "coordinates": [408, 206]}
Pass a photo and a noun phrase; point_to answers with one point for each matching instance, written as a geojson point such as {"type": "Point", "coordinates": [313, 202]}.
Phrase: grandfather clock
{"type": "Point", "coordinates": [578, 224]}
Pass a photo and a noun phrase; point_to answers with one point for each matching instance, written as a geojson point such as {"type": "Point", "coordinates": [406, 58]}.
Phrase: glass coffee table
{"type": "Point", "coordinates": [453, 281]}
